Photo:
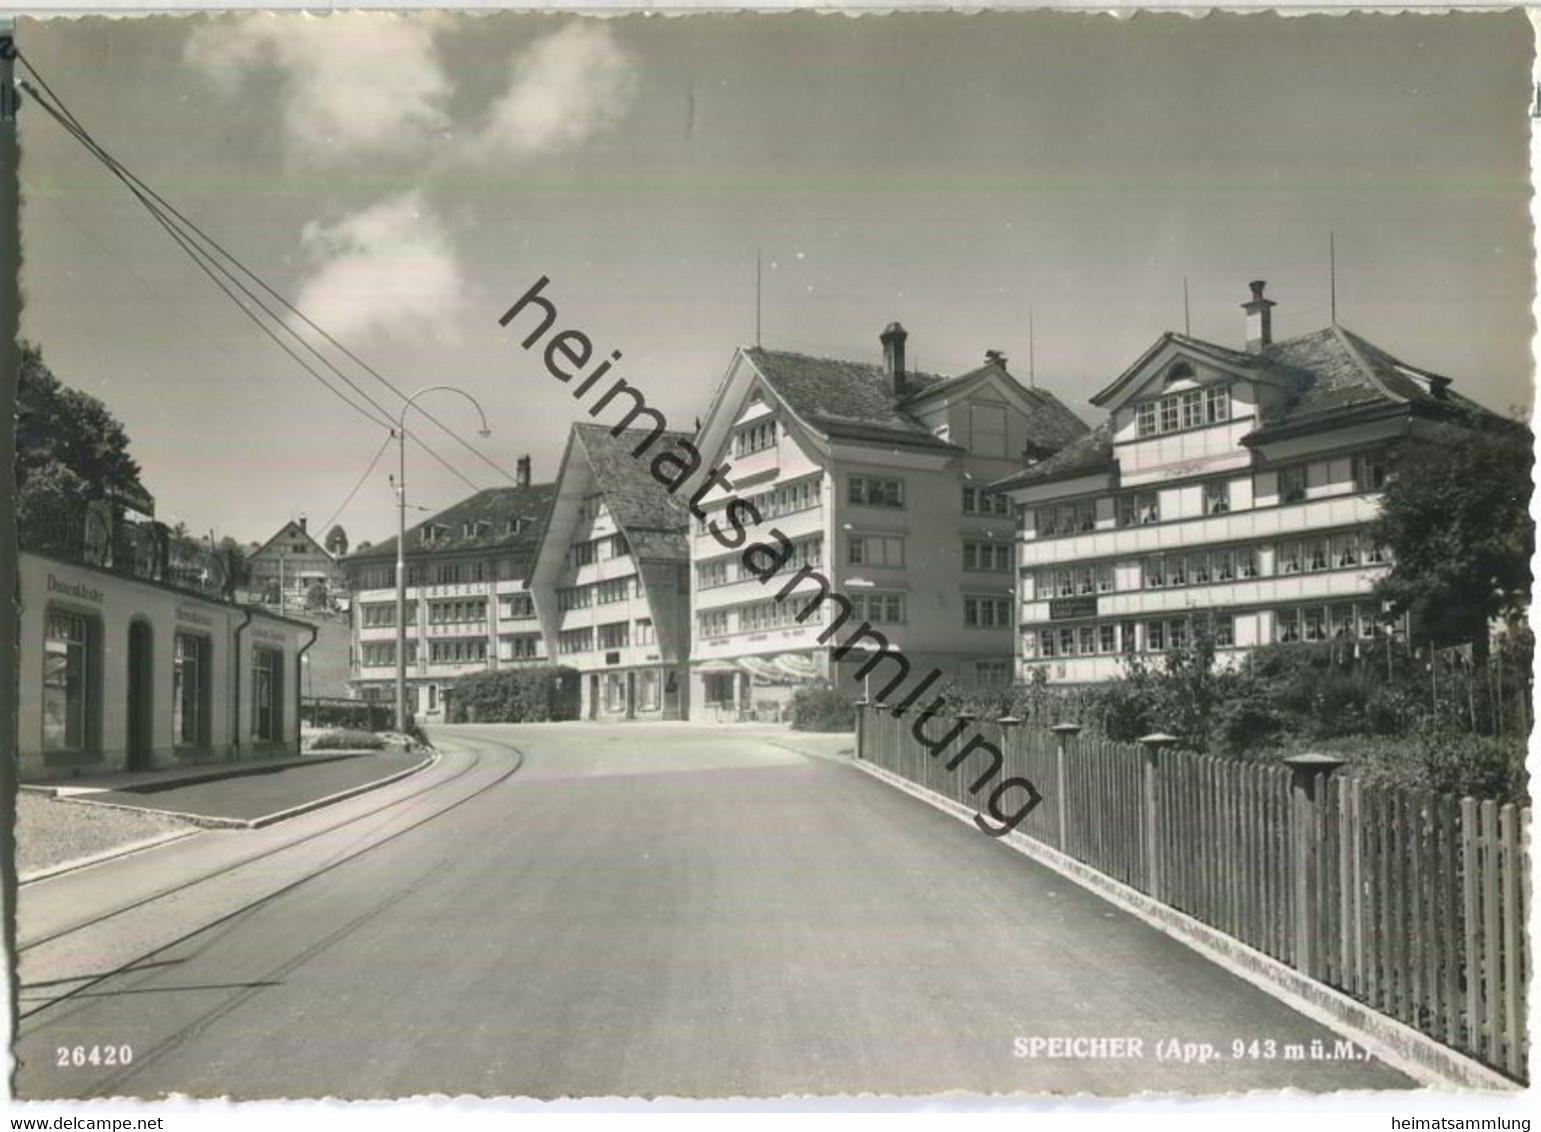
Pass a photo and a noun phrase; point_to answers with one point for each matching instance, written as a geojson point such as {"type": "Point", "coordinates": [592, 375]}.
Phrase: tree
{"type": "Point", "coordinates": [1456, 517]}
{"type": "Point", "coordinates": [316, 596]}
{"type": "Point", "coordinates": [59, 430]}
{"type": "Point", "coordinates": [337, 541]}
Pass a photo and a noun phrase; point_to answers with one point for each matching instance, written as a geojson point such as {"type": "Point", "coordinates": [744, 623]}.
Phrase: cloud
{"type": "Point", "coordinates": [389, 269]}
{"type": "Point", "coordinates": [563, 89]}
{"type": "Point", "coordinates": [353, 82]}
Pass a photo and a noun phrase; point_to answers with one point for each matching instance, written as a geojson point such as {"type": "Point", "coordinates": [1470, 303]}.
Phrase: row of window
{"type": "Point", "coordinates": [511, 607]}
{"type": "Point", "coordinates": [459, 612]}
{"type": "Point", "coordinates": [725, 571]}
{"type": "Point", "coordinates": [611, 635]}
{"type": "Point", "coordinates": [476, 528]}
{"type": "Point", "coordinates": [987, 612]}
{"type": "Point", "coordinates": [875, 491]}
{"type": "Point", "coordinates": [1191, 408]}
{"type": "Point", "coordinates": [1226, 564]}
{"type": "Point", "coordinates": [1138, 508]}
{"type": "Point", "coordinates": [783, 499]}
{"type": "Point", "coordinates": [1335, 621]}
{"type": "Point", "coordinates": [600, 549]}
{"type": "Point", "coordinates": [72, 659]}
{"type": "Point", "coordinates": [382, 576]}
{"type": "Point", "coordinates": [607, 592]}
{"type": "Point", "coordinates": [519, 646]}
{"type": "Point", "coordinates": [382, 654]}
{"type": "Point", "coordinates": [754, 438]}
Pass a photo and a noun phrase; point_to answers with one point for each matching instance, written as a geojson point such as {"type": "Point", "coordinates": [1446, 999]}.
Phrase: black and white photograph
{"type": "Point", "coordinates": [784, 557]}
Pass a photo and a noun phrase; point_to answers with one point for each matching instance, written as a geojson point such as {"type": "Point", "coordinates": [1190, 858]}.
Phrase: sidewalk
{"type": "Point", "coordinates": [151, 780]}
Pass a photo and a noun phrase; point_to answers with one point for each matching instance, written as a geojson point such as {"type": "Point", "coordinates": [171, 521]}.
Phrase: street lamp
{"type": "Point", "coordinates": [401, 538]}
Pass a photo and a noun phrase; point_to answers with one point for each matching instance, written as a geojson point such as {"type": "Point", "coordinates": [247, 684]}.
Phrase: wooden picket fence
{"type": "Point", "coordinates": [1410, 901]}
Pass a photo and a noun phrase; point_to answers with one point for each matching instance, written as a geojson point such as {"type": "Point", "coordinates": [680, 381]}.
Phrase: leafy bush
{"type": "Point", "coordinates": [822, 708]}
{"type": "Point", "coordinates": [523, 695]}
{"type": "Point", "coordinates": [347, 740]}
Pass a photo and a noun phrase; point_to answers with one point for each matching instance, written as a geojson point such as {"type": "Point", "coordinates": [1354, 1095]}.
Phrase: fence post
{"type": "Point", "coordinates": [861, 716]}
{"type": "Point", "coordinates": [1307, 772]}
{"type": "Point", "coordinates": [1063, 733]}
{"type": "Point", "coordinates": [1153, 744]}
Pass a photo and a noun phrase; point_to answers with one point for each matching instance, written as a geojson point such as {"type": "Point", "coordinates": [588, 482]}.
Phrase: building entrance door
{"type": "Point", "coordinates": [140, 737]}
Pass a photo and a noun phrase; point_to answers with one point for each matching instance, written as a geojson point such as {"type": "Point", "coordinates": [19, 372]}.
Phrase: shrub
{"type": "Point", "coordinates": [347, 740]}
{"type": "Point", "coordinates": [1478, 765]}
{"type": "Point", "coordinates": [1245, 726]}
{"type": "Point", "coordinates": [822, 708]}
{"type": "Point", "coordinates": [522, 695]}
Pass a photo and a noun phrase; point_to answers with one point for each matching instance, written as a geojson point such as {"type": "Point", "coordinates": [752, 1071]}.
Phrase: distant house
{"type": "Point", "coordinates": [292, 561]}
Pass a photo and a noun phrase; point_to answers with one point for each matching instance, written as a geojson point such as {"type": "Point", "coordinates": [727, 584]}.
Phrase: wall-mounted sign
{"type": "Point", "coordinates": [74, 589]}
{"type": "Point", "coordinates": [269, 635]}
{"type": "Point", "coordinates": [612, 658]}
{"type": "Point", "coordinates": [193, 616]}
{"type": "Point", "coordinates": [1066, 608]}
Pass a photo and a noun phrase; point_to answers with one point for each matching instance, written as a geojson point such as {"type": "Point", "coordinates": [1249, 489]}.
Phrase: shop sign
{"type": "Point", "coordinates": [1072, 607]}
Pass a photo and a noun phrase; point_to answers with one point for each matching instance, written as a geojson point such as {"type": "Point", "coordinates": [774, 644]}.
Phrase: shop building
{"type": "Point", "coordinates": [611, 578]}
{"type": "Point", "coordinates": [1229, 492]}
{"type": "Point", "coordinates": [468, 608]}
{"type": "Point", "coordinates": [878, 477]}
{"type": "Point", "coordinates": [121, 669]}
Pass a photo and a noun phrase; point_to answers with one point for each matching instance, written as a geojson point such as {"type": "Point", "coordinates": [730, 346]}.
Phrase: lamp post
{"type": "Point", "coordinates": [401, 538]}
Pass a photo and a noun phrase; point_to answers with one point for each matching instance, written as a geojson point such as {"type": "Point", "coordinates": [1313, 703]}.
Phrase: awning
{"type": "Point", "coordinates": [714, 667]}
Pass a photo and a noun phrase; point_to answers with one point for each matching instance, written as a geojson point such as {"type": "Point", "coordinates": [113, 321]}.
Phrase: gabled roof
{"type": "Point", "coordinates": [1090, 452]}
{"type": "Point", "coordinates": [292, 530]}
{"type": "Point", "coordinates": [855, 401]}
{"type": "Point", "coordinates": [1343, 370]}
{"type": "Point", "coordinates": [655, 523]}
{"type": "Point", "coordinates": [845, 400]}
{"type": "Point", "coordinates": [1261, 367]}
{"type": "Point", "coordinates": [495, 505]}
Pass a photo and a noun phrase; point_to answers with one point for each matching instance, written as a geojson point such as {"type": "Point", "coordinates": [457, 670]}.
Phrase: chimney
{"type": "Point", "coordinates": [995, 358]}
{"type": "Point", "coordinates": [1259, 318]}
{"type": "Point", "coordinates": [522, 471]}
{"type": "Point", "coordinates": [302, 522]}
{"type": "Point", "coordinates": [893, 337]}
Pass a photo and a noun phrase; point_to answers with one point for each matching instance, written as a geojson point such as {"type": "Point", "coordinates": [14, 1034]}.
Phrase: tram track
{"type": "Point", "coordinates": [266, 856]}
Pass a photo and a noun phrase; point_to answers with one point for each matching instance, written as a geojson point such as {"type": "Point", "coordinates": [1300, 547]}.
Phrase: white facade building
{"type": "Point", "coordinates": [468, 606]}
{"type": "Point", "coordinates": [610, 579]}
{"type": "Point", "coordinates": [1228, 491]}
{"type": "Point", "coordinates": [876, 477]}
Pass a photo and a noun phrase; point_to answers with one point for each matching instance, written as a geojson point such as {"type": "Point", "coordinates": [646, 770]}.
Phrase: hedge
{"type": "Point", "coordinates": [521, 695]}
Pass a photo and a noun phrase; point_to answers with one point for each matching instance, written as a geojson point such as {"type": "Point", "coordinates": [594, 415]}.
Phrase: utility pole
{"type": "Point", "coordinates": [10, 368]}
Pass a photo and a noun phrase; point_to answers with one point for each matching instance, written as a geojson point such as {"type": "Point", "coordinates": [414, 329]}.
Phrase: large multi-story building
{"type": "Point", "coordinates": [611, 579]}
{"type": "Point", "coordinates": [878, 478]}
{"type": "Point", "coordinates": [1229, 491]}
{"type": "Point", "coordinates": [468, 608]}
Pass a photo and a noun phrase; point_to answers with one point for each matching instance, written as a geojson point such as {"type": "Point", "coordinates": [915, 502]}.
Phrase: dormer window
{"type": "Point", "coordinates": [1190, 408]}
{"type": "Point", "coordinates": [755, 438]}
{"type": "Point", "coordinates": [434, 532]}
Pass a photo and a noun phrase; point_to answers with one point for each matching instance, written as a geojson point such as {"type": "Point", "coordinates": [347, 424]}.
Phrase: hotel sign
{"type": "Point", "coordinates": [74, 589]}
{"type": "Point", "coordinates": [1066, 608]}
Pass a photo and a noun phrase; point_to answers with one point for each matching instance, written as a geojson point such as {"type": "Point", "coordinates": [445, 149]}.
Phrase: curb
{"type": "Point", "coordinates": [105, 855]}
{"type": "Point", "coordinates": [1401, 1047]}
{"type": "Point", "coordinates": [66, 790]}
{"type": "Point", "coordinates": [205, 821]}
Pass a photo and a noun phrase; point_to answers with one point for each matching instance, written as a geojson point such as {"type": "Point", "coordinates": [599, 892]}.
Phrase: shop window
{"type": "Point", "coordinates": [267, 674]}
{"type": "Point", "coordinates": [70, 640]}
{"type": "Point", "coordinates": [190, 691]}
{"type": "Point", "coordinates": [647, 690]}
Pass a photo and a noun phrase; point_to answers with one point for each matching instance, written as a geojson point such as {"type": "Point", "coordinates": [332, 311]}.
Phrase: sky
{"type": "Point", "coordinates": [403, 179]}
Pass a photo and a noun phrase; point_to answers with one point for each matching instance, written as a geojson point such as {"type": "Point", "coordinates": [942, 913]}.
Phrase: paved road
{"type": "Point", "coordinates": [639, 910]}
{"type": "Point", "coordinates": [255, 794]}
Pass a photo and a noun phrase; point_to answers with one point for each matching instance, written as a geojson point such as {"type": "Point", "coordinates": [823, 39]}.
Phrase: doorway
{"type": "Point", "coordinates": [593, 695]}
{"type": "Point", "coordinates": [140, 737]}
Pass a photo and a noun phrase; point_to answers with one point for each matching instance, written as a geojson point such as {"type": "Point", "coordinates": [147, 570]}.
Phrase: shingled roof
{"type": "Point", "coordinates": [496, 505]}
{"type": "Point", "coordinates": [1340, 370]}
{"type": "Point", "coordinates": [655, 523]}
{"type": "Point", "coordinates": [855, 400]}
{"type": "Point", "coordinates": [1090, 452]}
{"type": "Point", "coordinates": [1329, 371]}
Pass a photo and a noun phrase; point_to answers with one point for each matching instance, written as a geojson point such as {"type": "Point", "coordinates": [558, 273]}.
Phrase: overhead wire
{"type": "Point", "coordinates": [343, 506]}
{"type": "Point", "coordinates": [159, 209]}
{"type": "Point", "coordinates": [128, 174]}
